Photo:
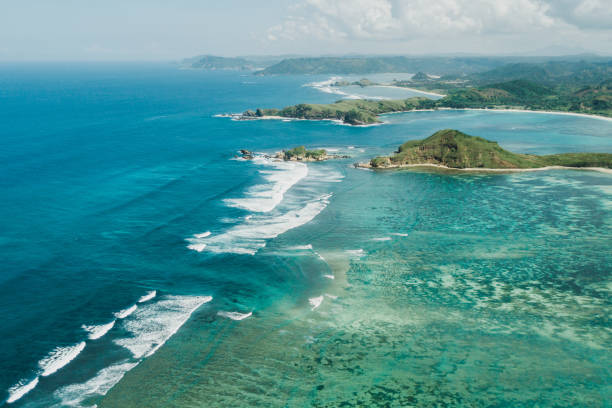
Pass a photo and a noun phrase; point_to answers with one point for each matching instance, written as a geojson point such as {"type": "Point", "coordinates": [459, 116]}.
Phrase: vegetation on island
{"type": "Point", "coordinates": [300, 153]}
{"type": "Point", "coordinates": [454, 149]}
{"type": "Point", "coordinates": [350, 111]}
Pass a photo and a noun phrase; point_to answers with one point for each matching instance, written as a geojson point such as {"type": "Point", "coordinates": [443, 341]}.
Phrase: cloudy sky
{"type": "Point", "coordinates": [171, 30]}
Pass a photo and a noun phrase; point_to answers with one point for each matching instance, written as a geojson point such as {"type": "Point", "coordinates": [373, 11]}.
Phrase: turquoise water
{"type": "Point", "coordinates": [266, 284]}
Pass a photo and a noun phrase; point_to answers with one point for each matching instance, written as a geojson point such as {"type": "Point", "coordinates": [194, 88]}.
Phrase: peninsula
{"type": "Point", "coordinates": [453, 149]}
{"type": "Point", "coordinates": [554, 86]}
{"type": "Point", "coordinates": [515, 94]}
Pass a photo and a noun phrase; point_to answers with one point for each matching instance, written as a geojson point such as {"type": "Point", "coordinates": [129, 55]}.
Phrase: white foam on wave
{"type": "Point", "coordinates": [300, 247]}
{"type": "Point", "coordinates": [59, 357]}
{"type": "Point", "coordinates": [198, 247]}
{"type": "Point", "coordinates": [326, 175]}
{"type": "Point", "coordinates": [20, 389]}
{"type": "Point", "coordinates": [315, 302]}
{"type": "Point", "coordinates": [122, 314]}
{"type": "Point", "coordinates": [382, 239]}
{"type": "Point", "coordinates": [280, 176]}
{"type": "Point", "coordinates": [358, 253]}
{"type": "Point", "coordinates": [73, 395]}
{"type": "Point", "coordinates": [250, 236]}
{"type": "Point", "coordinates": [329, 276]}
{"type": "Point", "coordinates": [152, 325]}
{"type": "Point", "coordinates": [320, 256]}
{"type": "Point", "coordinates": [202, 235]}
{"type": "Point", "coordinates": [327, 86]}
{"type": "Point", "coordinates": [98, 331]}
{"type": "Point", "coordinates": [235, 315]}
{"type": "Point", "coordinates": [400, 234]}
{"type": "Point", "coordinates": [150, 295]}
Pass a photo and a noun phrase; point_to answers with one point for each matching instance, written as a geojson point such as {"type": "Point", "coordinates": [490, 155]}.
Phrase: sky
{"type": "Point", "coordinates": [157, 30]}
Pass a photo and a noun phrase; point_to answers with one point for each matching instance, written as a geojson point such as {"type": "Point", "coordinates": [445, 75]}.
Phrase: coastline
{"type": "Point", "coordinates": [239, 117]}
{"type": "Point", "coordinates": [413, 90]}
{"type": "Point", "coordinates": [578, 114]}
{"type": "Point", "coordinates": [485, 170]}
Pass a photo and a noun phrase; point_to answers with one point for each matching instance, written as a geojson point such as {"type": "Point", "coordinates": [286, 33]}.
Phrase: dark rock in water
{"type": "Point", "coordinates": [249, 113]}
{"type": "Point", "coordinates": [246, 154]}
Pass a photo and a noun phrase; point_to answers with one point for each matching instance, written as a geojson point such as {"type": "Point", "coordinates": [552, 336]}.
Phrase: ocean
{"type": "Point", "coordinates": [146, 265]}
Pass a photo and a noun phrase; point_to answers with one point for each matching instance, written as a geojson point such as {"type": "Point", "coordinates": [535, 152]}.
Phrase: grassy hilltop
{"type": "Point", "coordinates": [454, 149]}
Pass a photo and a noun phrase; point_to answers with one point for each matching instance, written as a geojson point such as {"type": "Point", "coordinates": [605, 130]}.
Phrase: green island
{"type": "Point", "coordinates": [456, 150]}
{"type": "Point", "coordinates": [559, 86]}
{"type": "Point", "coordinates": [299, 153]}
{"type": "Point", "coordinates": [350, 111]}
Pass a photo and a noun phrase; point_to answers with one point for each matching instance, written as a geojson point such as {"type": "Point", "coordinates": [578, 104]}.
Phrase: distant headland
{"type": "Point", "coordinates": [452, 149]}
{"type": "Point", "coordinates": [558, 86]}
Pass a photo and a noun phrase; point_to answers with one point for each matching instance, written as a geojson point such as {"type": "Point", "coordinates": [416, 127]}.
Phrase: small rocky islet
{"type": "Point", "coordinates": [299, 153]}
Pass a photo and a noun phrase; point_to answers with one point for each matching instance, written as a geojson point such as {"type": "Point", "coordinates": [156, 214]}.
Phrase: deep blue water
{"type": "Point", "coordinates": [106, 170]}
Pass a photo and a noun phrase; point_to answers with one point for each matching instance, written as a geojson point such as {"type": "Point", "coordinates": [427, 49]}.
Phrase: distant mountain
{"type": "Point", "coordinates": [383, 64]}
{"type": "Point", "coordinates": [211, 62]}
{"type": "Point", "coordinates": [551, 72]}
{"type": "Point", "coordinates": [370, 65]}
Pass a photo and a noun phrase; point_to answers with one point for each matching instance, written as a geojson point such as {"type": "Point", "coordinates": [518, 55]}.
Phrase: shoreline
{"type": "Point", "coordinates": [584, 115]}
{"type": "Point", "coordinates": [239, 117]}
{"type": "Point", "coordinates": [484, 169]}
{"type": "Point", "coordinates": [412, 89]}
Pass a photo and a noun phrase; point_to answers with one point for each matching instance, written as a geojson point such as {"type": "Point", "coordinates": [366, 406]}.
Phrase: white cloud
{"type": "Point", "coordinates": [586, 14]}
{"type": "Point", "coordinates": [405, 19]}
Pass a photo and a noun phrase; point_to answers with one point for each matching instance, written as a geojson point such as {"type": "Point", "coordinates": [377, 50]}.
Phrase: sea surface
{"type": "Point", "coordinates": [145, 265]}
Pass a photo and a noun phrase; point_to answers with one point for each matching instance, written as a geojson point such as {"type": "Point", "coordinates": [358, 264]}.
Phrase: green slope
{"type": "Point", "coordinates": [354, 111]}
{"type": "Point", "coordinates": [455, 149]}
{"type": "Point", "coordinates": [518, 93]}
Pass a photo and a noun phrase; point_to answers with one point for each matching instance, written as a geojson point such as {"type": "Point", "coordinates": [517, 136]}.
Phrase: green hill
{"type": "Point", "coordinates": [378, 64]}
{"type": "Point", "coordinates": [351, 111]}
{"type": "Point", "coordinates": [549, 73]}
{"type": "Point", "coordinates": [454, 149]}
